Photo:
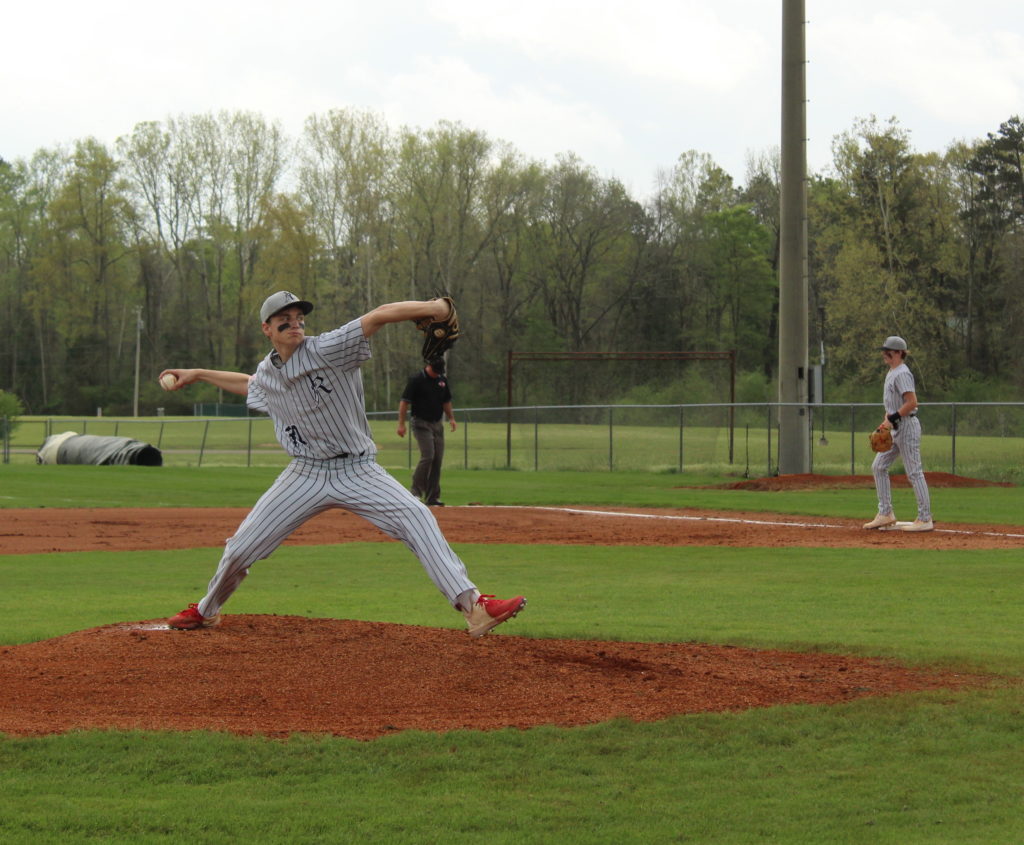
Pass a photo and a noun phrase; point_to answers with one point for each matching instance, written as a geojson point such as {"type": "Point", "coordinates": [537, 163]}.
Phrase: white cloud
{"type": "Point", "coordinates": [948, 70]}
{"type": "Point", "coordinates": [539, 121]}
{"type": "Point", "coordinates": [680, 42]}
{"type": "Point", "coordinates": [627, 86]}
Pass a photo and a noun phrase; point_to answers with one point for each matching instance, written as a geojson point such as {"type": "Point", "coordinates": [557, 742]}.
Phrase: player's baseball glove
{"type": "Point", "coordinates": [440, 335]}
{"type": "Point", "coordinates": [881, 439]}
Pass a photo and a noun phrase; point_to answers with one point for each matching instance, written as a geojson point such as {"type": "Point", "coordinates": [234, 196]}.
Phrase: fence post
{"type": "Point", "coordinates": [611, 455]}
{"type": "Point", "coordinates": [465, 442]}
{"type": "Point", "coordinates": [536, 437]}
{"type": "Point", "coordinates": [248, 449]}
{"type": "Point", "coordinates": [202, 446]}
{"type": "Point", "coordinates": [853, 431]}
{"type": "Point", "coordinates": [680, 438]}
{"type": "Point", "coordinates": [953, 468]}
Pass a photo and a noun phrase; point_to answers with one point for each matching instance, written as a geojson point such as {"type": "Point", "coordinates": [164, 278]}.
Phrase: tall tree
{"type": "Point", "coordinates": [85, 284]}
{"type": "Point", "coordinates": [676, 283]}
{"type": "Point", "coordinates": [996, 218]}
{"type": "Point", "coordinates": [452, 190]}
{"type": "Point", "coordinates": [763, 193]}
{"type": "Point", "coordinates": [258, 154]}
{"type": "Point", "coordinates": [742, 286]}
{"type": "Point", "coordinates": [437, 190]}
{"type": "Point", "coordinates": [19, 217]}
{"type": "Point", "coordinates": [161, 230]}
{"type": "Point", "coordinates": [513, 197]}
{"type": "Point", "coordinates": [877, 257]}
{"type": "Point", "coordinates": [344, 162]}
{"type": "Point", "coordinates": [586, 252]}
{"type": "Point", "coordinates": [1000, 161]}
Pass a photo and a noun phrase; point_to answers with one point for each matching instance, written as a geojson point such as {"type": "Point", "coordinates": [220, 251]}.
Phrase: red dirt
{"type": "Point", "coordinates": [278, 675]}
{"type": "Point", "coordinates": [27, 531]}
{"type": "Point", "coordinates": [808, 481]}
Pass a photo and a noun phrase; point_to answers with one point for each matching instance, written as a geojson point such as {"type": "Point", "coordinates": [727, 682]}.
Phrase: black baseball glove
{"type": "Point", "coordinates": [439, 335]}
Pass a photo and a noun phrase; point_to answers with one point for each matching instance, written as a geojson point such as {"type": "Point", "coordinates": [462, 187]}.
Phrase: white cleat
{"type": "Point", "coordinates": [917, 525]}
{"type": "Point", "coordinates": [881, 521]}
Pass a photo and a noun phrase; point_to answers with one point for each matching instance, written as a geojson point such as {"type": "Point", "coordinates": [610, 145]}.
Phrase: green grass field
{"type": "Point", "coordinates": [111, 487]}
{"type": "Point", "coordinates": [928, 768]}
{"type": "Point", "coordinates": [484, 441]}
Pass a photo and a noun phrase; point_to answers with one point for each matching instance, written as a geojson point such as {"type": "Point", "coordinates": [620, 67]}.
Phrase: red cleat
{"type": "Point", "coordinates": [190, 618]}
{"type": "Point", "coordinates": [489, 612]}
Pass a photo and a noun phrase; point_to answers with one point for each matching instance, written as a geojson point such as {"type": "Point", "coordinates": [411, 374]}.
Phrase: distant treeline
{"type": "Point", "coordinates": [174, 236]}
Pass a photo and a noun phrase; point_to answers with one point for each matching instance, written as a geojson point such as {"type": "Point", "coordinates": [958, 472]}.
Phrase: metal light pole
{"type": "Point", "coordinates": [794, 448]}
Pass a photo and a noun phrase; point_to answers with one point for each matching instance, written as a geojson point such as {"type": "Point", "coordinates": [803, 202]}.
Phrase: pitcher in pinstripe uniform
{"type": "Point", "coordinates": [312, 388]}
{"type": "Point", "coordinates": [899, 397]}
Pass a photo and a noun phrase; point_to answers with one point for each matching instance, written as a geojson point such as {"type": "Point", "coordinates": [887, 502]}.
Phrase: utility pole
{"type": "Point", "coordinates": [794, 448]}
{"type": "Point", "coordinates": [138, 349]}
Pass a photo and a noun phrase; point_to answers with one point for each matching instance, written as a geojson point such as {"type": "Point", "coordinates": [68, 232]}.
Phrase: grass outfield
{"type": "Point", "coordinates": [548, 445]}
{"type": "Point", "coordinates": [930, 768]}
{"type": "Point", "coordinates": [119, 486]}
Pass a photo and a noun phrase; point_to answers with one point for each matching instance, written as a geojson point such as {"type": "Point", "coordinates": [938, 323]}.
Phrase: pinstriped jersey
{"type": "Point", "coordinates": [316, 398]}
{"type": "Point", "coordinates": [898, 380]}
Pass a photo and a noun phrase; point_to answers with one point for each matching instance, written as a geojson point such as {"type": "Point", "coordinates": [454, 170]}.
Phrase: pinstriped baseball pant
{"type": "Point", "coordinates": [307, 487]}
{"type": "Point", "coordinates": [906, 445]}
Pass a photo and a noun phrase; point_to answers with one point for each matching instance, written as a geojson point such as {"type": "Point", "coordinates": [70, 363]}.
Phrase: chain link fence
{"type": "Point", "coordinates": [977, 439]}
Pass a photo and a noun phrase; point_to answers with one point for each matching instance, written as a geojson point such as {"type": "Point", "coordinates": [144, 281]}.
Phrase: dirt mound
{"type": "Point", "coordinates": [278, 675]}
{"type": "Point", "coordinates": [810, 481]}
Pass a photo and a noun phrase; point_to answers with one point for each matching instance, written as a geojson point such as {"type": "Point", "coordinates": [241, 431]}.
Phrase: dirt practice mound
{"type": "Point", "coordinates": [279, 675]}
{"type": "Point", "coordinates": [810, 481]}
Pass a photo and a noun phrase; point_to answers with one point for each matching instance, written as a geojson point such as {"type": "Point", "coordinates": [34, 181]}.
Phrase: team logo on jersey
{"type": "Point", "coordinates": [318, 386]}
{"type": "Point", "coordinates": [293, 434]}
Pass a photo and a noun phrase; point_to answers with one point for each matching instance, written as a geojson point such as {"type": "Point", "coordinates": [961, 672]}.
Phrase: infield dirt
{"type": "Point", "coordinates": [278, 675]}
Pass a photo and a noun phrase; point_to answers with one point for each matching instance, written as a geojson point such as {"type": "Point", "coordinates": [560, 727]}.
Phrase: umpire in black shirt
{"type": "Point", "coordinates": [429, 396]}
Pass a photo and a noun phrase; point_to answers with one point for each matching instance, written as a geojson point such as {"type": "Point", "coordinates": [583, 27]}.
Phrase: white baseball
{"type": "Point", "coordinates": [168, 380]}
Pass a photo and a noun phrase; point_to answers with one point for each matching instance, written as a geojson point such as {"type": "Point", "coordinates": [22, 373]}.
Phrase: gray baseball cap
{"type": "Point", "coordinates": [281, 300]}
{"type": "Point", "coordinates": [894, 344]}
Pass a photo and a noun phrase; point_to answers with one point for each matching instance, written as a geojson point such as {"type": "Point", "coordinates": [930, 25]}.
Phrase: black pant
{"type": "Point", "coordinates": [426, 478]}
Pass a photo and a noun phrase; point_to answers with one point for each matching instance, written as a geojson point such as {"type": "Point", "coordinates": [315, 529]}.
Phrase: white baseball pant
{"type": "Point", "coordinates": [906, 445]}
{"type": "Point", "coordinates": [310, 486]}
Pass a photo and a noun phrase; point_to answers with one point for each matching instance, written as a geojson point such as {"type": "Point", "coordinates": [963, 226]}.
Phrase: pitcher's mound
{"type": "Point", "coordinates": [276, 675]}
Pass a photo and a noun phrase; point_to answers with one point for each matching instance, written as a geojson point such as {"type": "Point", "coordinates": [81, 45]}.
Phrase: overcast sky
{"type": "Point", "coordinates": [627, 86]}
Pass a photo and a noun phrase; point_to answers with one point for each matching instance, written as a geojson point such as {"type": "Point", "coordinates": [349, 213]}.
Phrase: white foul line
{"type": "Point", "coordinates": [740, 521]}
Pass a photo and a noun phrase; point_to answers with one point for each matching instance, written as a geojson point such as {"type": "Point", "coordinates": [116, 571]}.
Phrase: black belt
{"type": "Point", "coordinates": [347, 455]}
